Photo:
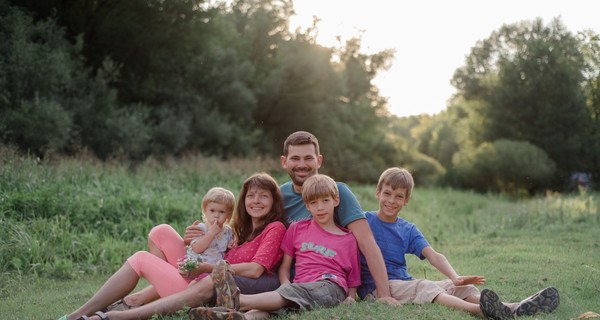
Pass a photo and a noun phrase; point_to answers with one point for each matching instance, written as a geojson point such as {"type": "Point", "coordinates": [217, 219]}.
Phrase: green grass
{"type": "Point", "coordinates": [65, 225]}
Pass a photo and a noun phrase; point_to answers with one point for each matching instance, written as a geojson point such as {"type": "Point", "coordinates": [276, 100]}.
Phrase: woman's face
{"type": "Point", "coordinates": [258, 203]}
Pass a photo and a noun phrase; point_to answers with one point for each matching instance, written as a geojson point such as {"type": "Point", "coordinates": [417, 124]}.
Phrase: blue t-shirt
{"type": "Point", "coordinates": [347, 211]}
{"type": "Point", "coordinates": [395, 239]}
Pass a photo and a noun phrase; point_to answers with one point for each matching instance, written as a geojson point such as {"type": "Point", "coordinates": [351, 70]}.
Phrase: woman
{"type": "Point", "coordinates": [259, 225]}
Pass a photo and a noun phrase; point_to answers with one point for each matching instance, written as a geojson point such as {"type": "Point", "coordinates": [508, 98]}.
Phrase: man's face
{"type": "Point", "coordinates": [301, 162]}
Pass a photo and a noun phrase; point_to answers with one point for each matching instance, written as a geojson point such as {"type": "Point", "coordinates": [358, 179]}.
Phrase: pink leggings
{"type": "Point", "coordinates": [162, 275]}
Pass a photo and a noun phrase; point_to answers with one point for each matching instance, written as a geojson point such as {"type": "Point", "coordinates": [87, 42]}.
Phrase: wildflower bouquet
{"type": "Point", "coordinates": [187, 264]}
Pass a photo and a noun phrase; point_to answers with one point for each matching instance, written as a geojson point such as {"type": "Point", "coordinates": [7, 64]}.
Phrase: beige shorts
{"type": "Point", "coordinates": [422, 291]}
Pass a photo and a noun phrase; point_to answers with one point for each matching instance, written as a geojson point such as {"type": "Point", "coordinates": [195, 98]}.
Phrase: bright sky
{"type": "Point", "coordinates": [431, 37]}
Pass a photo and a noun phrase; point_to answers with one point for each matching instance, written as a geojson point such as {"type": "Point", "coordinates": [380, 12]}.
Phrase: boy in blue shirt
{"type": "Point", "coordinates": [397, 237]}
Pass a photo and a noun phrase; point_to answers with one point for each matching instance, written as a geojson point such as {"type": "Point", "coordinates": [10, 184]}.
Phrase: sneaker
{"type": "Point", "coordinates": [215, 313]}
{"type": "Point", "coordinates": [492, 307]}
{"type": "Point", "coordinates": [545, 300]}
{"type": "Point", "coordinates": [228, 294]}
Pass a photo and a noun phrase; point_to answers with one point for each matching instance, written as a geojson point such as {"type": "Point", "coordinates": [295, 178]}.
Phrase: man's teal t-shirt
{"type": "Point", "coordinates": [347, 211]}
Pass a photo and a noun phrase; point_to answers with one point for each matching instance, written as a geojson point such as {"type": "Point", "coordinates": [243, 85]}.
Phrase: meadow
{"type": "Point", "coordinates": [67, 224]}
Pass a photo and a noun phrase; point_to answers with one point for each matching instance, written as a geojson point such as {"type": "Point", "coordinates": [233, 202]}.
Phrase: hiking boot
{"type": "Point", "coordinates": [545, 300]}
{"type": "Point", "coordinates": [492, 307]}
{"type": "Point", "coordinates": [215, 313]}
{"type": "Point", "coordinates": [228, 294]}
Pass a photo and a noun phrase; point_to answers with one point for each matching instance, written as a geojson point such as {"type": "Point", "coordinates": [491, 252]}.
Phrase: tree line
{"type": "Point", "coordinates": [140, 78]}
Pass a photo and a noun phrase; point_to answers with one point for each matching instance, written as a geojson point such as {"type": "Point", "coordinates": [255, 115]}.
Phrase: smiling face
{"type": "Point", "coordinates": [218, 212]}
{"type": "Point", "coordinates": [391, 201]}
{"type": "Point", "coordinates": [258, 204]}
{"type": "Point", "coordinates": [301, 162]}
{"type": "Point", "coordinates": [322, 208]}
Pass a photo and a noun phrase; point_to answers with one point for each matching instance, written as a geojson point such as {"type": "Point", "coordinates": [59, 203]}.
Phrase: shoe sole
{"type": "Point", "coordinates": [227, 290]}
{"type": "Point", "coordinates": [215, 313]}
{"type": "Point", "coordinates": [492, 307]}
{"type": "Point", "coordinates": [545, 301]}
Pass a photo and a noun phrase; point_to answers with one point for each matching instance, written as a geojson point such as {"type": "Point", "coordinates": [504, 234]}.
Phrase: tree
{"type": "Point", "coordinates": [524, 83]}
{"type": "Point", "coordinates": [218, 78]}
{"type": "Point", "coordinates": [590, 47]}
{"type": "Point", "coordinates": [39, 85]}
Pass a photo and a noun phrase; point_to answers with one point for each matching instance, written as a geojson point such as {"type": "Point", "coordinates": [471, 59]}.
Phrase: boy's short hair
{"type": "Point", "coordinates": [396, 178]}
{"type": "Point", "coordinates": [221, 196]}
{"type": "Point", "coordinates": [319, 186]}
{"type": "Point", "coordinates": [300, 138]}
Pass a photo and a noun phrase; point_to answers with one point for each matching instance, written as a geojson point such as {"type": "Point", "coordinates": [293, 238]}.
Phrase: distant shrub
{"type": "Point", "coordinates": [39, 124]}
{"type": "Point", "coordinates": [513, 167]}
{"type": "Point", "coordinates": [426, 170]}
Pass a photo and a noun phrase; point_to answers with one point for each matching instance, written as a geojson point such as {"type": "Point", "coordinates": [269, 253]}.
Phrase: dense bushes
{"type": "Point", "coordinates": [504, 166]}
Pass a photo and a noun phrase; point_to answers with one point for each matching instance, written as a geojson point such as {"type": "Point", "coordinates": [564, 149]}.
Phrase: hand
{"type": "Point", "coordinates": [349, 300]}
{"type": "Point", "coordinates": [202, 267]}
{"type": "Point", "coordinates": [388, 300]}
{"type": "Point", "coordinates": [188, 274]}
{"type": "Point", "coordinates": [232, 244]}
{"type": "Point", "coordinates": [192, 232]}
{"type": "Point", "coordinates": [214, 228]}
{"type": "Point", "coordinates": [465, 280]}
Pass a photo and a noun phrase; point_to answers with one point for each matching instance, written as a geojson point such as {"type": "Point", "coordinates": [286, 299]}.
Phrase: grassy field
{"type": "Point", "coordinates": [65, 225]}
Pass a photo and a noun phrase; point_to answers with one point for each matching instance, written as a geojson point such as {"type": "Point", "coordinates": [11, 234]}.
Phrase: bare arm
{"type": "Point", "coordinates": [284, 269]}
{"type": "Point", "coordinates": [367, 245]}
{"type": "Point", "coordinates": [251, 270]}
{"type": "Point", "coordinates": [204, 241]}
{"type": "Point", "coordinates": [351, 295]}
{"type": "Point", "coordinates": [440, 262]}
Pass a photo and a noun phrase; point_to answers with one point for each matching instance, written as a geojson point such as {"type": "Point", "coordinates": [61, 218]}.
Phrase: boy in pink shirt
{"type": "Point", "coordinates": [327, 264]}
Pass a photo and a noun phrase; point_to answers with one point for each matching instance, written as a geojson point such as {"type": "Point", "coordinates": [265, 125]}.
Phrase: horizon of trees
{"type": "Point", "coordinates": [134, 79]}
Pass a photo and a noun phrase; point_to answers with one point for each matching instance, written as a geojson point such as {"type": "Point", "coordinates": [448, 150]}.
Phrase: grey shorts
{"type": "Point", "coordinates": [424, 291]}
{"type": "Point", "coordinates": [311, 295]}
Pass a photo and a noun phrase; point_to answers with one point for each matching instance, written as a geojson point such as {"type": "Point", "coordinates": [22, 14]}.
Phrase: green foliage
{"type": "Point", "coordinates": [522, 78]}
{"type": "Point", "coordinates": [38, 73]}
{"type": "Point", "coordinates": [51, 101]}
{"type": "Point", "coordinates": [506, 166]}
{"type": "Point", "coordinates": [590, 47]}
{"type": "Point", "coordinates": [39, 125]}
{"type": "Point", "coordinates": [136, 79]}
{"type": "Point", "coordinates": [141, 78]}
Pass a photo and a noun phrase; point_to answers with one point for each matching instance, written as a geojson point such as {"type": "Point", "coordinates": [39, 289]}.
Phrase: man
{"type": "Point", "coordinates": [302, 159]}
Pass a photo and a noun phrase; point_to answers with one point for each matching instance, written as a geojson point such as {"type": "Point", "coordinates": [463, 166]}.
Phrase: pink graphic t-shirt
{"type": "Point", "coordinates": [321, 255]}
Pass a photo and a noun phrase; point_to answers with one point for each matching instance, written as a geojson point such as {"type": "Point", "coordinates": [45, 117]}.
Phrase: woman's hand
{"type": "Point", "coordinates": [202, 267]}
